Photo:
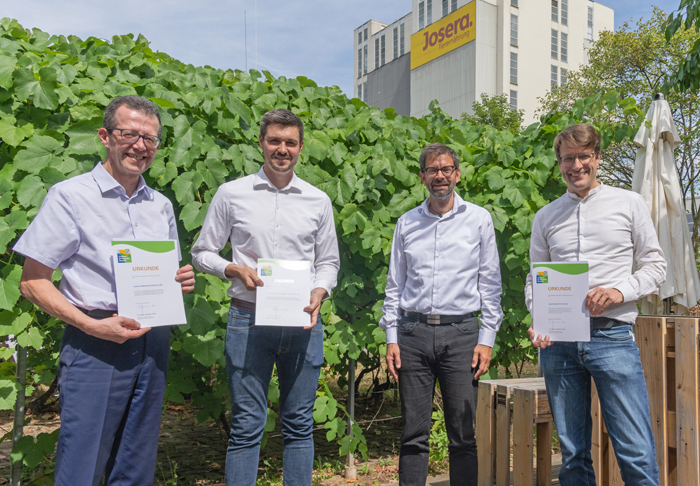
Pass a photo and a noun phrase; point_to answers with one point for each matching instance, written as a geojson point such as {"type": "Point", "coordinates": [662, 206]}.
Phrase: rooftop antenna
{"type": "Point", "coordinates": [245, 37]}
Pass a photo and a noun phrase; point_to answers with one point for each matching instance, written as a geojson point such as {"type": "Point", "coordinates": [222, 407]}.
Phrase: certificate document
{"type": "Point", "coordinates": [559, 292]}
{"type": "Point", "coordinates": [147, 291]}
{"type": "Point", "coordinates": [287, 289]}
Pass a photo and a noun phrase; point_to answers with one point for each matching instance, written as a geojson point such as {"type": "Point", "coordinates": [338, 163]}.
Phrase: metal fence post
{"type": "Point", "coordinates": [18, 426]}
{"type": "Point", "coordinates": [350, 469]}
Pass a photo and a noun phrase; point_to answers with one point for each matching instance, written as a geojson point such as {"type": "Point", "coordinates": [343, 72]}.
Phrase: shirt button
{"type": "Point", "coordinates": [436, 273]}
{"type": "Point", "coordinates": [438, 255]}
{"type": "Point", "coordinates": [136, 224]}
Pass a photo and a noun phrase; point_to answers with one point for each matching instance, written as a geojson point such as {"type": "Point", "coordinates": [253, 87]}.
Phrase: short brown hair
{"type": "Point", "coordinates": [435, 149]}
{"type": "Point", "coordinates": [580, 136]}
{"type": "Point", "coordinates": [283, 117]}
{"type": "Point", "coordinates": [137, 103]}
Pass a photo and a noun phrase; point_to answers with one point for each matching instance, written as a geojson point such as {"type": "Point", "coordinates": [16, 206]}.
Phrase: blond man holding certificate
{"type": "Point", "coordinates": [611, 230]}
{"type": "Point", "coordinates": [278, 220]}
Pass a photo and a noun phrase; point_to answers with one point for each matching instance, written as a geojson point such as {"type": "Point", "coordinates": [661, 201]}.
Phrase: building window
{"type": "Point", "coordinates": [359, 37]}
{"type": "Point", "coordinates": [564, 76]}
{"type": "Point", "coordinates": [555, 10]}
{"type": "Point", "coordinates": [396, 41]}
{"type": "Point", "coordinates": [359, 91]}
{"type": "Point", "coordinates": [564, 12]}
{"type": "Point", "coordinates": [383, 50]}
{"type": "Point", "coordinates": [359, 63]}
{"type": "Point", "coordinates": [513, 100]}
{"type": "Point", "coordinates": [421, 14]}
{"type": "Point", "coordinates": [453, 7]}
{"type": "Point", "coordinates": [555, 44]}
{"type": "Point", "coordinates": [590, 20]}
{"type": "Point", "coordinates": [401, 44]}
{"type": "Point", "coordinates": [554, 77]}
{"type": "Point", "coordinates": [376, 52]}
{"type": "Point", "coordinates": [445, 7]}
{"type": "Point", "coordinates": [364, 61]}
{"type": "Point", "coordinates": [514, 67]}
{"type": "Point", "coordinates": [514, 3]}
{"type": "Point", "coordinates": [513, 30]}
{"type": "Point", "coordinates": [365, 33]}
{"type": "Point", "coordinates": [430, 11]}
{"type": "Point", "coordinates": [564, 47]}
{"type": "Point", "coordinates": [364, 91]}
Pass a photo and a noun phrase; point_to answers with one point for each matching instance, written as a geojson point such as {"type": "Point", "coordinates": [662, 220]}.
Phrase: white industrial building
{"type": "Point", "coordinates": [454, 50]}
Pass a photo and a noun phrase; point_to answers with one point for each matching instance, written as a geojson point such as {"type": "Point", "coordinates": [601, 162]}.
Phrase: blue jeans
{"type": "Point", "coordinates": [251, 353]}
{"type": "Point", "coordinates": [444, 354]}
{"type": "Point", "coordinates": [612, 359]}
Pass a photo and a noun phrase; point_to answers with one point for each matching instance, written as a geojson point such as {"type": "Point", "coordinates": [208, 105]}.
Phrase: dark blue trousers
{"type": "Point", "coordinates": [110, 400]}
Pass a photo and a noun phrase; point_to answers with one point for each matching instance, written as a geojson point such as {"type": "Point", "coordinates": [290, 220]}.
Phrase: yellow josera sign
{"type": "Point", "coordinates": [445, 35]}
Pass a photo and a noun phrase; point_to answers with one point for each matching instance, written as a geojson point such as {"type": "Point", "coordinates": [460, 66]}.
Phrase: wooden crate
{"type": "Point", "coordinates": [522, 402]}
{"type": "Point", "coordinates": [669, 348]}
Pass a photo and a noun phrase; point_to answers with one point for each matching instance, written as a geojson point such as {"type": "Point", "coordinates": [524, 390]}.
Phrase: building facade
{"type": "Point", "coordinates": [455, 50]}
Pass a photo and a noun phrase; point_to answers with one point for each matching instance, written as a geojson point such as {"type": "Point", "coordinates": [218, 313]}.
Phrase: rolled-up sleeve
{"type": "Point", "coordinates": [215, 232]}
{"type": "Point", "coordinates": [326, 252]}
{"type": "Point", "coordinates": [489, 285]}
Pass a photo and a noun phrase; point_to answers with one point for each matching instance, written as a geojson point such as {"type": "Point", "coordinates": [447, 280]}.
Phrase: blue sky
{"type": "Point", "coordinates": [313, 38]}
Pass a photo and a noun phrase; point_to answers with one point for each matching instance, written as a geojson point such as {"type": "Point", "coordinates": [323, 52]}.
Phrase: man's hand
{"type": "Point", "coordinates": [185, 275]}
{"type": "Point", "coordinates": [116, 328]}
{"type": "Point", "coordinates": [481, 358]}
{"type": "Point", "coordinates": [248, 276]}
{"type": "Point", "coordinates": [317, 295]}
{"type": "Point", "coordinates": [599, 299]}
{"type": "Point", "coordinates": [393, 360]}
{"type": "Point", "coordinates": [539, 342]}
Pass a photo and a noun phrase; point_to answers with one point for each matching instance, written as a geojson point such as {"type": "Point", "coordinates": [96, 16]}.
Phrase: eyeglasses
{"type": "Point", "coordinates": [585, 158]}
{"type": "Point", "coordinates": [432, 171]}
{"type": "Point", "coordinates": [132, 136]}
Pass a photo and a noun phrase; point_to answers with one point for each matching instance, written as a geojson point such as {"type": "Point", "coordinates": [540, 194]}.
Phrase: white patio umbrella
{"type": "Point", "coordinates": [656, 179]}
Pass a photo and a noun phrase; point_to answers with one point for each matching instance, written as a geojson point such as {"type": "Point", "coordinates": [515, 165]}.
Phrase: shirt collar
{"type": "Point", "coordinates": [107, 183]}
{"type": "Point", "coordinates": [456, 207]}
{"type": "Point", "coordinates": [590, 194]}
{"type": "Point", "coordinates": [261, 179]}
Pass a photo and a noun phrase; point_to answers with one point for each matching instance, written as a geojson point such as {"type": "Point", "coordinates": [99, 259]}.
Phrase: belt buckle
{"type": "Point", "coordinates": [433, 320]}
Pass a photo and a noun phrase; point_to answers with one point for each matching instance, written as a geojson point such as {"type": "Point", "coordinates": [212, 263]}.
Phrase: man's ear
{"type": "Point", "coordinates": [103, 133]}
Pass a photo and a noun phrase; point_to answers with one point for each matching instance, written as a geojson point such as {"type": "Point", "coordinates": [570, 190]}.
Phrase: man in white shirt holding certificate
{"type": "Point", "coordinates": [444, 268]}
{"type": "Point", "coordinates": [277, 216]}
{"type": "Point", "coordinates": [612, 230]}
{"type": "Point", "coordinates": [111, 372]}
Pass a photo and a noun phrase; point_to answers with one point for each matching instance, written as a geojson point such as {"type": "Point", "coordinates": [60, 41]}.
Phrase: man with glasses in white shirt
{"type": "Point", "coordinates": [612, 230]}
{"type": "Point", "coordinates": [271, 214]}
{"type": "Point", "coordinates": [111, 372]}
{"type": "Point", "coordinates": [444, 269]}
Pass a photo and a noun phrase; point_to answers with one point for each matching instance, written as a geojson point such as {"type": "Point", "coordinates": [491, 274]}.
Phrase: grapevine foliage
{"type": "Point", "coordinates": [53, 91]}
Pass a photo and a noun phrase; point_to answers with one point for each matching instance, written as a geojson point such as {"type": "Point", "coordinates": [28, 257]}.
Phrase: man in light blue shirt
{"type": "Point", "coordinates": [111, 372]}
{"type": "Point", "coordinates": [444, 268]}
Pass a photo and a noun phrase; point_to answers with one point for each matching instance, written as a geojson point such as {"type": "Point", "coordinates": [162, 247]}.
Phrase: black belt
{"type": "Point", "coordinates": [606, 323]}
{"type": "Point", "coordinates": [97, 313]}
{"type": "Point", "coordinates": [435, 320]}
{"type": "Point", "coordinates": [243, 304]}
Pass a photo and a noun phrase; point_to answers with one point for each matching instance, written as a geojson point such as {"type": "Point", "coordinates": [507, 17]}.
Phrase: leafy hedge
{"type": "Point", "coordinates": [53, 90]}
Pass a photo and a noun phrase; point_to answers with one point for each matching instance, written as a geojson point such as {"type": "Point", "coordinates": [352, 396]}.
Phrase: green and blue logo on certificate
{"type": "Point", "coordinates": [266, 271]}
{"type": "Point", "coordinates": [124, 256]}
{"type": "Point", "coordinates": [542, 277]}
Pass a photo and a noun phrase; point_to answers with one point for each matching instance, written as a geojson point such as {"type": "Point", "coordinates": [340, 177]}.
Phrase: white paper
{"type": "Point", "coordinates": [287, 290]}
{"type": "Point", "coordinates": [144, 274]}
{"type": "Point", "coordinates": [559, 292]}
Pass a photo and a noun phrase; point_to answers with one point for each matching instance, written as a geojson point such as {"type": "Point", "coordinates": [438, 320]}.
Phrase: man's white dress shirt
{"type": "Point", "coordinates": [612, 230]}
{"type": "Point", "coordinates": [444, 266]}
{"type": "Point", "coordinates": [261, 221]}
{"type": "Point", "coordinates": [75, 227]}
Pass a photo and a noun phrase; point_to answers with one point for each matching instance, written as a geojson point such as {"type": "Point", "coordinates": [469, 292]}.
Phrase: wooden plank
{"type": "Point", "coordinates": [523, 444]}
{"type": "Point", "coordinates": [486, 433]}
{"type": "Point", "coordinates": [502, 435]}
{"type": "Point", "coordinates": [544, 453]}
{"type": "Point", "coordinates": [597, 436]}
{"type": "Point", "coordinates": [651, 335]}
{"type": "Point", "coordinates": [614, 477]}
{"type": "Point", "coordinates": [688, 453]}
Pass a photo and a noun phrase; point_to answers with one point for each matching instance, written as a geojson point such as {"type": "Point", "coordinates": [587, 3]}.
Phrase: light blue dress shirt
{"type": "Point", "coordinates": [75, 227]}
{"type": "Point", "coordinates": [444, 266]}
